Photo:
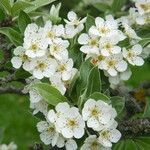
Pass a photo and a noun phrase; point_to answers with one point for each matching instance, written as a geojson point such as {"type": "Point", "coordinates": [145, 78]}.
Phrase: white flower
{"type": "Point", "coordinates": [44, 67]}
{"type": "Point", "coordinates": [92, 143]}
{"type": "Point", "coordinates": [58, 49]}
{"type": "Point", "coordinates": [130, 32]}
{"type": "Point", "coordinates": [143, 20]}
{"type": "Point", "coordinates": [35, 44]}
{"type": "Point", "coordinates": [113, 64]}
{"type": "Point", "coordinates": [97, 114]}
{"type": "Point", "coordinates": [108, 46]}
{"type": "Point", "coordinates": [11, 146]}
{"type": "Point", "coordinates": [109, 135]}
{"type": "Point", "coordinates": [34, 96]}
{"type": "Point", "coordinates": [51, 32]}
{"type": "Point", "coordinates": [21, 58]}
{"type": "Point", "coordinates": [146, 52]}
{"type": "Point", "coordinates": [40, 106]}
{"type": "Point", "coordinates": [57, 82]}
{"type": "Point", "coordinates": [90, 43]}
{"type": "Point", "coordinates": [48, 134]}
{"type": "Point", "coordinates": [71, 144]}
{"type": "Point", "coordinates": [132, 55]}
{"type": "Point", "coordinates": [65, 68]}
{"type": "Point", "coordinates": [121, 76]}
{"type": "Point", "coordinates": [74, 21]}
{"type": "Point", "coordinates": [69, 32]}
{"type": "Point", "coordinates": [143, 6]}
{"type": "Point", "coordinates": [105, 28]}
{"type": "Point", "coordinates": [70, 122]}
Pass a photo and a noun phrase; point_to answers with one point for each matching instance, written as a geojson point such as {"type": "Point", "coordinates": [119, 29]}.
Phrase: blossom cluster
{"type": "Point", "coordinates": [45, 51]}
{"type": "Point", "coordinates": [65, 124]}
{"type": "Point", "coordinates": [140, 14]}
{"type": "Point", "coordinates": [102, 44]}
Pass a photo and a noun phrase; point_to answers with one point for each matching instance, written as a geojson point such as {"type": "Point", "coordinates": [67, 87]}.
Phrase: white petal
{"type": "Point", "coordinates": [105, 52]}
{"type": "Point", "coordinates": [38, 74]}
{"type": "Point", "coordinates": [42, 126]}
{"type": "Point", "coordinates": [78, 132]}
{"type": "Point", "coordinates": [83, 39]}
{"type": "Point", "coordinates": [138, 61]}
{"type": "Point", "coordinates": [121, 66]}
{"type": "Point", "coordinates": [137, 49]}
{"type": "Point", "coordinates": [72, 15]}
{"type": "Point", "coordinates": [99, 22]}
{"type": "Point", "coordinates": [16, 62]}
{"type": "Point", "coordinates": [67, 133]}
{"type": "Point", "coordinates": [112, 71]}
{"type": "Point", "coordinates": [92, 123]}
{"type": "Point", "coordinates": [71, 145]}
{"type": "Point", "coordinates": [115, 135]}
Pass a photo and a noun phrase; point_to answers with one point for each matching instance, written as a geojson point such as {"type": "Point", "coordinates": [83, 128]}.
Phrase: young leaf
{"type": "Point", "coordinates": [102, 7]}
{"type": "Point", "coordinates": [37, 4]}
{"type": "Point", "coordinates": [84, 74]}
{"type": "Point", "coordinates": [100, 96]}
{"type": "Point", "coordinates": [19, 5]}
{"type": "Point", "coordinates": [117, 5]}
{"type": "Point", "coordinates": [6, 5]}
{"type": "Point", "coordinates": [49, 93]}
{"type": "Point", "coordinates": [23, 21]}
{"type": "Point", "coordinates": [118, 103]}
{"type": "Point", "coordinates": [12, 34]}
{"type": "Point", "coordinates": [94, 82]}
{"type": "Point", "coordinates": [89, 22]}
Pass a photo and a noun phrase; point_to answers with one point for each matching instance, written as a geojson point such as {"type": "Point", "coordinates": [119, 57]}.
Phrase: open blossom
{"type": "Point", "coordinates": [143, 6]}
{"type": "Point", "coordinates": [97, 114]}
{"type": "Point", "coordinates": [43, 67]}
{"type": "Point", "coordinates": [58, 49]}
{"type": "Point", "coordinates": [92, 143]}
{"type": "Point", "coordinates": [108, 46]}
{"type": "Point", "coordinates": [65, 68]}
{"type": "Point", "coordinates": [113, 64]}
{"type": "Point", "coordinates": [109, 135]}
{"type": "Point", "coordinates": [21, 58]}
{"type": "Point", "coordinates": [67, 120]}
{"type": "Point", "coordinates": [50, 31]}
{"type": "Point", "coordinates": [90, 43]}
{"type": "Point", "coordinates": [74, 21]}
{"type": "Point", "coordinates": [34, 43]}
{"type": "Point", "coordinates": [132, 55]}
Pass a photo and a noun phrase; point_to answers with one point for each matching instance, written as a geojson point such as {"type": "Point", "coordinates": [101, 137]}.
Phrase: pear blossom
{"type": "Point", "coordinates": [51, 31]}
{"type": "Point", "coordinates": [132, 55]}
{"type": "Point", "coordinates": [108, 46]}
{"type": "Point", "coordinates": [109, 135]}
{"type": "Point", "coordinates": [44, 67]}
{"type": "Point", "coordinates": [35, 44]}
{"type": "Point", "coordinates": [143, 6]}
{"type": "Point", "coordinates": [58, 49]}
{"type": "Point", "coordinates": [97, 114]}
{"type": "Point", "coordinates": [65, 68]}
{"type": "Point", "coordinates": [90, 43]}
{"type": "Point", "coordinates": [21, 58]}
{"type": "Point", "coordinates": [92, 143]}
{"type": "Point", "coordinates": [113, 64]}
{"type": "Point", "coordinates": [105, 28]}
{"type": "Point", "coordinates": [74, 21]}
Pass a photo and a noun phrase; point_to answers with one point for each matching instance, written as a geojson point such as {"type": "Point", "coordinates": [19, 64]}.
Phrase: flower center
{"type": "Point", "coordinates": [103, 30]}
{"type": "Point", "coordinates": [61, 68]}
{"type": "Point", "coordinates": [108, 46]}
{"type": "Point", "coordinates": [24, 57]}
{"type": "Point", "coordinates": [72, 123]}
{"type": "Point", "coordinates": [93, 42]}
{"type": "Point", "coordinates": [94, 145]}
{"type": "Point", "coordinates": [145, 7]}
{"type": "Point", "coordinates": [111, 63]}
{"type": "Point", "coordinates": [50, 129]}
{"type": "Point", "coordinates": [95, 112]}
{"type": "Point", "coordinates": [105, 134]}
{"type": "Point", "coordinates": [101, 57]}
{"type": "Point", "coordinates": [34, 47]}
{"type": "Point", "coordinates": [50, 34]}
{"type": "Point", "coordinates": [41, 66]}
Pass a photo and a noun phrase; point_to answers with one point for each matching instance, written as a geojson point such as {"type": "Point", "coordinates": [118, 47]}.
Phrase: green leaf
{"type": "Point", "coordinates": [102, 7]}
{"type": "Point", "coordinates": [84, 75]}
{"type": "Point", "coordinates": [100, 96]}
{"type": "Point", "coordinates": [6, 5]}
{"type": "Point", "coordinates": [2, 15]}
{"type": "Point", "coordinates": [118, 103]}
{"type": "Point", "coordinates": [20, 5]}
{"type": "Point", "coordinates": [117, 5]}
{"type": "Point", "coordinates": [23, 21]}
{"type": "Point", "coordinates": [143, 143]}
{"type": "Point", "coordinates": [49, 93]}
{"type": "Point", "coordinates": [146, 113]}
{"type": "Point", "coordinates": [144, 42]}
{"type": "Point", "coordinates": [13, 35]}
{"type": "Point", "coordinates": [89, 22]}
{"type": "Point", "coordinates": [39, 21]}
{"type": "Point", "coordinates": [37, 4]}
{"type": "Point", "coordinates": [94, 82]}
